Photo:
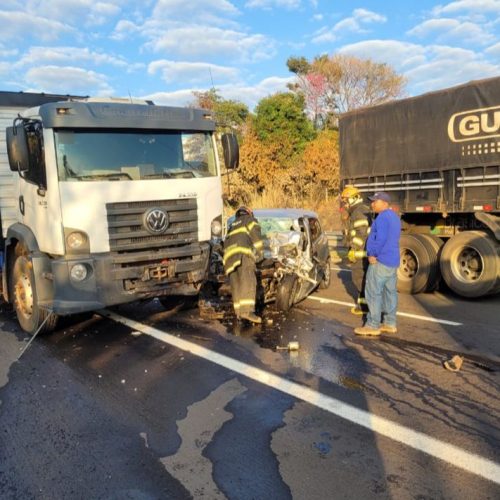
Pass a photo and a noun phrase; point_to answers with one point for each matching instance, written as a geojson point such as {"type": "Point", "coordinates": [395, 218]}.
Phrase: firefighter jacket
{"type": "Point", "coordinates": [243, 238]}
{"type": "Point", "coordinates": [358, 229]}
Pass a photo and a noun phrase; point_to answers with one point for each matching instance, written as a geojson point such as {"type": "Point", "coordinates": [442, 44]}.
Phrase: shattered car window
{"type": "Point", "coordinates": [272, 225]}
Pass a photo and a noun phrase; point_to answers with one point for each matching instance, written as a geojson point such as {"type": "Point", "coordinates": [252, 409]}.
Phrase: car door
{"type": "Point", "coordinates": [319, 243]}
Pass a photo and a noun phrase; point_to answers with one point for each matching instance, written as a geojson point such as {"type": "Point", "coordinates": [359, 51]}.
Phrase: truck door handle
{"type": "Point", "coordinates": [21, 204]}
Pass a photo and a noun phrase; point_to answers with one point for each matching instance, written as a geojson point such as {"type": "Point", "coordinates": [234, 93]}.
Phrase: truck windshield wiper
{"type": "Point", "coordinates": [162, 175]}
{"type": "Point", "coordinates": [173, 173]}
{"type": "Point", "coordinates": [114, 176]}
{"type": "Point", "coordinates": [183, 173]}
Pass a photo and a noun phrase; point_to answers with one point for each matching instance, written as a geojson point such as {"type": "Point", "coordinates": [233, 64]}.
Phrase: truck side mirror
{"type": "Point", "coordinates": [231, 151]}
{"type": "Point", "coordinates": [17, 149]}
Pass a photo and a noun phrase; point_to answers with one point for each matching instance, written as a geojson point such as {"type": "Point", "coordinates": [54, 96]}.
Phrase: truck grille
{"type": "Point", "coordinates": [145, 262]}
{"type": "Point", "coordinates": [128, 232]}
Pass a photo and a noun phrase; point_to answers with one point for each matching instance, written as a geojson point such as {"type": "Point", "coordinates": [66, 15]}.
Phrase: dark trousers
{"type": "Point", "coordinates": [244, 287]}
{"type": "Point", "coordinates": [358, 277]}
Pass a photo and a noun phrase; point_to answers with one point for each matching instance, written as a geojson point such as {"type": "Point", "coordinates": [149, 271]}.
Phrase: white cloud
{"type": "Point", "coordinates": [5, 68]}
{"type": "Point", "coordinates": [445, 28]}
{"type": "Point", "coordinates": [83, 12]}
{"type": "Point", "coordinates": [68, 79]}
{"type": "Point", "coordinates": [8, 52]}
{"type": "Point", "coordinates": [124, 29]}
{"type": "Point", "coordinates": [252, 94]}
{"type": "Point", "coordinates": [187, 73]}
{"type": "Point", "coordinates": [211, 12]}
{"type": "Point", "coordinates": [169, 8]}
{"type": "Point", "coordinates": [393, 52]}
{"type": "Point", "coordinates": [426, 67]}
{"type": "Point", "coordinates": [249, 94]}
{"type": "Point", "coordinates": [494, 50]}
{"type": "Point", "coordinates": [269, 4]}
{"type": "Point", "coordinates": [318, 17]}
{"type": "Point", "coordinates": [357, 23]}
{"type": "Point", "coordinates": [65, 55]}
{"type": "Point", "coordinates": [175, 98]}
{"type": "Point", "coordinates": [447, 66]}
{"type": "Point", "coordinates": [15, 25]}
{"type": "Point", "coordinates": [484, 6]}
{"type": "Point", "coordinates": [200, 42]}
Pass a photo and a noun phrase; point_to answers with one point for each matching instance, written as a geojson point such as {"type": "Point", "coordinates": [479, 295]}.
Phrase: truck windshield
{"type": "Point", "coordinates": [111, 155]}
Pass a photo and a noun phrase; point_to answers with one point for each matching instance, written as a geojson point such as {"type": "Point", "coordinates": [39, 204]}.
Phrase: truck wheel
{"type": "Point", "coordinates": [434, 246]}
{"type": "Point", "coordinates": [29, 315]}
{"type": "Point", "coordinates": [286, 292]}
{"type": "Point", "coordinates": [470, 263]}
{"type": "Point", "coordinates": [417, 264]}
{"type": "Point", "coordinates": [327, 275]}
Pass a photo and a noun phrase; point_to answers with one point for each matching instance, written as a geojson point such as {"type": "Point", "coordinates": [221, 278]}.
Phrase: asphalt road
{"type": "Point", "coordinates": [153, 404]}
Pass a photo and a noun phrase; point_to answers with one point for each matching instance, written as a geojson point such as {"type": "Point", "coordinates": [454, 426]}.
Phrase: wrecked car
{"type": "Point", "coordinates": [296, 259]}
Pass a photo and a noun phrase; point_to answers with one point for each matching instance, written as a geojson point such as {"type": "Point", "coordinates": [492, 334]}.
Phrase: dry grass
{"type": "Point", "coordinates": [324, 204]}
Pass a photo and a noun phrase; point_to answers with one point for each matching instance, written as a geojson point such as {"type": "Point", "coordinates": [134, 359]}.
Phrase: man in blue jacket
{"type": "Point", "coordinates": [382, 248]}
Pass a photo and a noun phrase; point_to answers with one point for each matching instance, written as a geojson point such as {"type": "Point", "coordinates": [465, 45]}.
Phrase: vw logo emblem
{"type": "Point", "coordinates": [156, 220]}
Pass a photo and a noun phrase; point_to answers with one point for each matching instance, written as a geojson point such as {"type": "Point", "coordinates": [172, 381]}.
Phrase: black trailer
{"type": "Point", "coordinates": [438, 155]}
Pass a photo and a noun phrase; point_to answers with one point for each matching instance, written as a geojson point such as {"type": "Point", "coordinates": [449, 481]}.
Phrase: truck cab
{"type": "Point", "coordinates": [108, 203]}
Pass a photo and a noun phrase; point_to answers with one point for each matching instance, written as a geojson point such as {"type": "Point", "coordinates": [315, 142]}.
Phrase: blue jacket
{"type": "Point", "coordinates": [383, 241]}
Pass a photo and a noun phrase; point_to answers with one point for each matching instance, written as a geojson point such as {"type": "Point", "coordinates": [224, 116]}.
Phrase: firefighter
{"type": "Point", "coordinates": [358, 227]}
{"type": "Point", "coordinates": [243, 246]}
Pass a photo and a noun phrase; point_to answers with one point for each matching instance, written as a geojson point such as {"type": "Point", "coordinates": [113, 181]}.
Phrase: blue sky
{"type": "Point", "coordinates": [164, 49]}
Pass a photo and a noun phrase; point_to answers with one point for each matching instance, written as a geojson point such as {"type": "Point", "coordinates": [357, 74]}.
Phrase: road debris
{"type": "Point", "coordinates": [454, 364]}
{"type": "Point", "coordinates": [291, 346]}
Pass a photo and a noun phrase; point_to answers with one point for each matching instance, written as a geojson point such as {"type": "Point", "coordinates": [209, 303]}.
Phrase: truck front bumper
{"type": "Point", "coordinates": [111, 282]}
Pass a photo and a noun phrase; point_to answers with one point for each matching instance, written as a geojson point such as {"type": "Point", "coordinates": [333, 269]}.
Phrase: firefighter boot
{"type": "Point", "coordinates": [252, 317]}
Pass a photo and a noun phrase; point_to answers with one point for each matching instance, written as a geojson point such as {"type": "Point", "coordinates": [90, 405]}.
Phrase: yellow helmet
{"type": "Point", "coordinates": [350, 191]}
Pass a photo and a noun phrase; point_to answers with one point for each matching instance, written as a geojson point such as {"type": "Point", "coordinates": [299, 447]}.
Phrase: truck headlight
{"type": "Point", "coordinates": [78, 272]}
{"type": "Point", "coordinates": [216, 227]}
{"type": "Point", "coordinates": [76, 240]}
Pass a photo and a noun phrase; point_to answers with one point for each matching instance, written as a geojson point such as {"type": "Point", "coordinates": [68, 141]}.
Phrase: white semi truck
{"type": "Point", "coordinates": [104, 203]}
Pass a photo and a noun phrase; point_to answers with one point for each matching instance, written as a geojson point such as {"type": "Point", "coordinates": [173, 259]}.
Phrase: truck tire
{"type": "Point", "coordinates": [24, 298]}
{"type": "Point", "coordinates": [286, 292]}
{"type": "Point", "coordinates": [418, 264]}
{"type": "Point", "coordinates": [434, 247]}
{"type": "Point", "coordinates": [470, 264]}
{"type": "Point", "coordinates": [327, 275]}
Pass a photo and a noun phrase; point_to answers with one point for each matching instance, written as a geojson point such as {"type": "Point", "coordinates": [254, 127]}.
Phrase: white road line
{"type": "Point", "coordinates": [449, 453]}
{"type": "Point", "coordinates": [406, 315]}
{"type": "Point", "coordinates": [340, 269]}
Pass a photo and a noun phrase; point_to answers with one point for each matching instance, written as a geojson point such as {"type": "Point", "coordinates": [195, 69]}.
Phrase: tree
{"type": "Point", "coordinates": [335, 84]}
{"type": "Point", "coordinates": [321, 161]}
{"type": "Point", "coordinates": [280, 121]}
{"type": "Point", "coordinates": [228, 113]}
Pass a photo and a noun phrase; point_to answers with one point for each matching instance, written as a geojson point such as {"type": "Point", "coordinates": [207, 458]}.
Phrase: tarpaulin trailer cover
{"type": "Point", "coordinates": [453, 128]}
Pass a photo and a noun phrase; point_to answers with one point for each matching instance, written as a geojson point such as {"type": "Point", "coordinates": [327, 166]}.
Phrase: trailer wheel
{"type": "Point", "coordinates": [470, 264]}
{"type": "Point", "coordinates": [418, 264]}
{"type": "Point", "coordinates": [286, 292]}
{"type": "Point", "coordinates": [327, 275]}
{"type": "Point", "coordinates": [29, 314]}
{"type": "Point", "coordinates": [434, 246]}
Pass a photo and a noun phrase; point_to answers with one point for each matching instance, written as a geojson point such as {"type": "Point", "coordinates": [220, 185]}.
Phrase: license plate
{"type": "Point", "coordinates": [159, 273]}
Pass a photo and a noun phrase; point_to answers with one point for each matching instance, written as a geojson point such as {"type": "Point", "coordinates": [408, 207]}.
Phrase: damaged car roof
{"type": "Point", "coordinates": [293, 213]}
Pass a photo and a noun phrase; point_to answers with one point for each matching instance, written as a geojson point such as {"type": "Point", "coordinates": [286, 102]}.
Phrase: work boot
{"type": "Point", "coordinates": [388, 328]}
{"type": "Point", "coordinates": [252, 317]}
{"type": "Point", "coordinates": [367, 331]}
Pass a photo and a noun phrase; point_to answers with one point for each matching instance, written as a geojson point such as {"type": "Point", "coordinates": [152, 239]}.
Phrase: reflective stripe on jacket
{"type": "Point", "coordinates": [359, 228]}
{"type": "Point", "coordinates": [243, 238]}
